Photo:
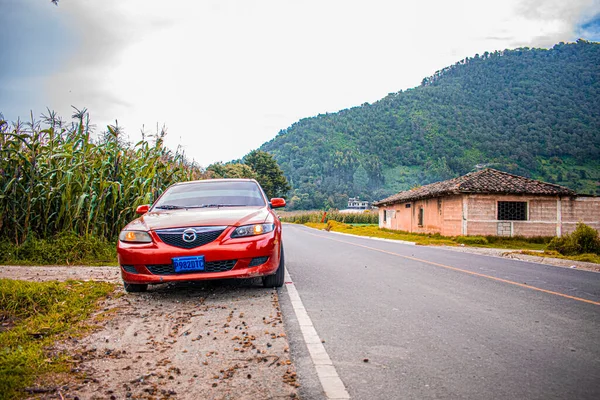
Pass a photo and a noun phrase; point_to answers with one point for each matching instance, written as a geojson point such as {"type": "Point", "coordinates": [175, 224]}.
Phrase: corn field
{"type": "Point", "coordinates": [302, 217]}
{"type": "Point", "coordinates": [56, 178]}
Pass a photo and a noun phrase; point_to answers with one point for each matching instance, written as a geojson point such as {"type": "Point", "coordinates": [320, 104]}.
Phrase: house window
{"type": "Point", "coordinates": [421, 214]}
{"type": "Point", "coordinates": [512, 210]}
{"type": "Point", "coordinates": [384, 215]}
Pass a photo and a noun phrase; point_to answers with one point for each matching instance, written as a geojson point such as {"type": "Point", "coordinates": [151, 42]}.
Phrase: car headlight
{"type": "Point", "coordinates": [135, 237]}
{"type": "Point", "coordinates": [252, 230]}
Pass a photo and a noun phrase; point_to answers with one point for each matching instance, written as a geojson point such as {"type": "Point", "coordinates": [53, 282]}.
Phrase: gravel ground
{"type": "Point", "coordinates": [60, 273]}
{"type": "Point", "coordinates": [214, 340]}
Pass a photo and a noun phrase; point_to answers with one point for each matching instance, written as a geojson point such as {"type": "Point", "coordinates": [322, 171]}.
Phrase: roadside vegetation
{"type": "Point", "coordinates": [57, 178]}
{"type": "Point", "coordinates": [581, 245]}
{"type": "Point", "coordinates": [62, 249]}
{"type": "Point", "coordinates": [434, 239]}
{"type": "Point", "coordinates": [303, 217]}
{"type": "Point", "coordinates": [33, 316]}
{"type": "Point", "coordinates": [66, 192]}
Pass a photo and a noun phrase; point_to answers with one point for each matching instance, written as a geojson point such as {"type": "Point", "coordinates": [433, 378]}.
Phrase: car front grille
{"type": "Point", "coordinates": [203, 235]}
{"type": "Point", "coordinates": [212, 266]}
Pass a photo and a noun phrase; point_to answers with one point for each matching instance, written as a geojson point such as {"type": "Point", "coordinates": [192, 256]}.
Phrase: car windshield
{"type": "Point", "coordinates": [212, 194]}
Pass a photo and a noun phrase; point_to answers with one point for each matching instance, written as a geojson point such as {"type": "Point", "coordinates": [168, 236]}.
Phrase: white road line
{"type": "Point", "coordinates": [330, 381]}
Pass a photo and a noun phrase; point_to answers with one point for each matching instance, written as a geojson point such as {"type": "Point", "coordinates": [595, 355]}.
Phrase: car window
{"type": "Point", "coordinates": [212, 194]}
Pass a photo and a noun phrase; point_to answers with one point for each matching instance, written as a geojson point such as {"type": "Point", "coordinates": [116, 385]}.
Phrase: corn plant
{"type": "Point", "coordinates": [56, 178]}
{"type": "Point", "coordinates": [302, 217]}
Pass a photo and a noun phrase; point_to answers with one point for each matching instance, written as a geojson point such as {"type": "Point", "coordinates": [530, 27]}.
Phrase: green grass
{"type": "Point", "coordinates": [34, 316]}
{"type": "Point", "coordinates": [65, 249]}
{"type": "Point", "coordinates": [587, 257]}
{"type": "Point", "coordinates": [498, 242]}
{"type": "Point", "coordinates": [373, 230]}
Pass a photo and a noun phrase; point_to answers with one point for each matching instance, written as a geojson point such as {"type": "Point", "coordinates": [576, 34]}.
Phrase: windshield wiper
{"type": "Point", "coordinates": [174, 207]}
{"type": "Point", "coordinates": [216, 205]}
{"type": "Point", "coordinates": [169, 207]}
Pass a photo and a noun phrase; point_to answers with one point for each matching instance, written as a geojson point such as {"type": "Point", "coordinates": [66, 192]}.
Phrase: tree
{"type": "Point", "coordinates": [268, 173]}
{"type": "Point", "coordinates": [231, 170]}
{"type": "Point", "coordinates": [360, 179]}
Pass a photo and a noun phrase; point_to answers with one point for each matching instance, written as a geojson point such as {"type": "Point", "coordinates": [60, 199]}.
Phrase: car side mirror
{"type": "Point", "coordinates": [143, 209]}
{"type": "Point", "coordinates": [277, 202]}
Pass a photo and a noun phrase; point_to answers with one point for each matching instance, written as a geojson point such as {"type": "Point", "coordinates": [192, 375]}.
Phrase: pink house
{"type": "Point", "coordinates": [489, 202]}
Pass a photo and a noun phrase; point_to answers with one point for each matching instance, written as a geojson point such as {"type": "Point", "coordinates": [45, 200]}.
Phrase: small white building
{"type": "Point", "coordinates": [355, 203]}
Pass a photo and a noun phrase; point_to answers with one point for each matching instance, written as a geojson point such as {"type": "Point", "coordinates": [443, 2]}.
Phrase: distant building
{"type": "Point", "coordinates": [355, 203]}
{"type": "Point", "coordinates": [489, 202]}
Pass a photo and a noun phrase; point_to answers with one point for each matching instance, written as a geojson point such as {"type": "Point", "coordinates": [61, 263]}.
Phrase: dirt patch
{"type": "Point", "coordinates": [213, 340]}
{"type": "Point", "coordinates": [60, 273]}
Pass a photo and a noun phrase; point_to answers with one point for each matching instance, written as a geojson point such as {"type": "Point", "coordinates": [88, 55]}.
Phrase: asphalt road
{"type": "Point", "coordinates": [438, 324]}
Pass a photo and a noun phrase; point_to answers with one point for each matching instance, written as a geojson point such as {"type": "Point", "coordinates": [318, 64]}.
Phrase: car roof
{"type": "Point", "coordinates": [216, 180]}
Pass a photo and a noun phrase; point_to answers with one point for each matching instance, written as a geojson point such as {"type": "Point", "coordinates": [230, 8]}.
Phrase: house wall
{"type": "Point", "coordinates": [580, 209]}
{"type": "Point", "coordinates": [453, 216]}
{"type": "Point", "coordinates": [397, 219]}
{"type": "Point", "coordinates": [440, 215]}
{"type": "Point", "coordinates": [483, 213]}
{"type": "Point", "coordinates": [476, 214]}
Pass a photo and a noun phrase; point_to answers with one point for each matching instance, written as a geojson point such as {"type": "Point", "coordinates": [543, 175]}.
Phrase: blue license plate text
{"type": "Point", "coordinates": [187, 264]}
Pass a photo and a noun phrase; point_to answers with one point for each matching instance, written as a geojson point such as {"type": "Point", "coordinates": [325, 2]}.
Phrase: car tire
{"type": "Point", "coordinates": [134, 287]}
{"type": "Point", "coordinates": [278, 278]}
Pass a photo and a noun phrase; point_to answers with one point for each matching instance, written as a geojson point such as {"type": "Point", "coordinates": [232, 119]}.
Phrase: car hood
{"type": "Point", "coordinates": [199, 217]}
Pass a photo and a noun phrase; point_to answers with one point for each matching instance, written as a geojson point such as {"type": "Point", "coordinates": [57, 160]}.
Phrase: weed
{"type": "Point", "coordinates": [472, 240]}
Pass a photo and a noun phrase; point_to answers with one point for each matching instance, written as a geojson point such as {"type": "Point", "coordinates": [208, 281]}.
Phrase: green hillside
{"type": "Point", "coordinates": [533, 112]}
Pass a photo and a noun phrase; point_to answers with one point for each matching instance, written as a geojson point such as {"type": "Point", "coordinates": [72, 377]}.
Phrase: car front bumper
{"type": "Point", "coordinates": [150, 263]}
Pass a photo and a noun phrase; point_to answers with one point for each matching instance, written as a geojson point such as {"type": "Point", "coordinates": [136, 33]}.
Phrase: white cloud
{"type": "Point", "coordinates": [226, 76]}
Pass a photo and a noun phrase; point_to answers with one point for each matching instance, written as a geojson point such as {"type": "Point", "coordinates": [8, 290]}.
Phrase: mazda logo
{"type": "Point", "coordinates": [189, 235]}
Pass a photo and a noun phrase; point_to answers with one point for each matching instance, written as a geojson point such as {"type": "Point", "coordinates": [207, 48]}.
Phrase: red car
{"type": "Point", "coordinates": [210, 229]}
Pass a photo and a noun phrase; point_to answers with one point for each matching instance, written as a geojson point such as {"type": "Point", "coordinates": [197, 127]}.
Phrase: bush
{"type": "Point", "coordinates": [472, 240]}
{"type": "Point", "coordinates": [587, 239]}
{"type": "Point", "coordinates": [583, 240]}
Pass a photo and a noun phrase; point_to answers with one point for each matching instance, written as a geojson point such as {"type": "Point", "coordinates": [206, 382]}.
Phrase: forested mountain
{"type": "Point", "coordinates": [533, 112]}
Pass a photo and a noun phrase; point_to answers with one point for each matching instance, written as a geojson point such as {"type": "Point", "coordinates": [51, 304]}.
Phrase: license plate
{"type": "Point", "coordinates": [187, 264]}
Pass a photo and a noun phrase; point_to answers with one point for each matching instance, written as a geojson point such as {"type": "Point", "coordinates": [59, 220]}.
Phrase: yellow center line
{"type": "Point", "coordinates": [462, 270]}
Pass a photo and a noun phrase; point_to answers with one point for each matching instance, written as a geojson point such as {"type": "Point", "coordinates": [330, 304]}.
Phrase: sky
{"type": "Point", "coordinates": [225, 76]}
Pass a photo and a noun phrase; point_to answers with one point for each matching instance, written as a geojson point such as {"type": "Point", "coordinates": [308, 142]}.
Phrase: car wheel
{"type": "Point", "coordinates": [134, 287]}
{"type": "Point", "coordinates": [277, 279]}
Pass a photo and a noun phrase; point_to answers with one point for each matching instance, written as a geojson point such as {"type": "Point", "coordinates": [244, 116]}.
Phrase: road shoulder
{"type": "Point", "coordinates": [217, 340]}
